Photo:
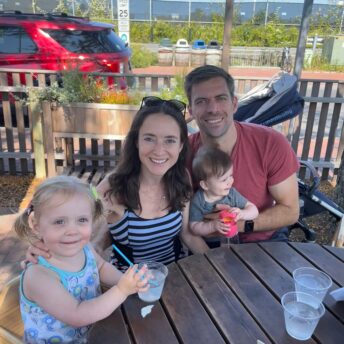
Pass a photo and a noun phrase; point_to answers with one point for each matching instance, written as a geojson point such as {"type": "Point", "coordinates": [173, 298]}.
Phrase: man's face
{"type": "Point", "coordinates": [212, 107]}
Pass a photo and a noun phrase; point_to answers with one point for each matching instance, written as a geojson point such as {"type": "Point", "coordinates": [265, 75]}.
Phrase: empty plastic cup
{"type": "Point", "coordinates": [301, 314]}
{"type": "Point", "coordinates": [312, 281]}
{"type": "Point", "coordinates": [157, 273]}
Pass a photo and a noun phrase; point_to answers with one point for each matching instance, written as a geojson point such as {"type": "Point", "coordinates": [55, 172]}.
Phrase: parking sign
{"type": "Point", "coordinates": [123, 20]}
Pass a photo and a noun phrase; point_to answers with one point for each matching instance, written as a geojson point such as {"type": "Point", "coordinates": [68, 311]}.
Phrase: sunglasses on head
{"type": "Point", "coordinates": [156, 101]}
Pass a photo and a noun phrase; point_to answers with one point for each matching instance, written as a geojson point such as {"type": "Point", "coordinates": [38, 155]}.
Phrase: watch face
{"type": "Point", "coordinates": [249, 226]}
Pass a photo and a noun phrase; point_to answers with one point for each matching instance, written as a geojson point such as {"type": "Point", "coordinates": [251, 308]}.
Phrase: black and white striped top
{"type": "Point", "coordinates": [146, 239]}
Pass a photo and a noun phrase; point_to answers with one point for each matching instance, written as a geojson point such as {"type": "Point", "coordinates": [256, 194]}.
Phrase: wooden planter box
{"type": "Point", "coordinates": [56, 128]}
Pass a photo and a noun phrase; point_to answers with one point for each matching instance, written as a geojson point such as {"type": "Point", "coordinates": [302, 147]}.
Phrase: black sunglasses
{"type": "Point", "coordinates": [156, 101]}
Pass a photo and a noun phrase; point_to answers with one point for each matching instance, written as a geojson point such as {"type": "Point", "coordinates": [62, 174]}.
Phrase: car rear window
{"type": "Point", "coordinates": [14, 40]}
{"type": "Point", "coordinates": [78, 41]}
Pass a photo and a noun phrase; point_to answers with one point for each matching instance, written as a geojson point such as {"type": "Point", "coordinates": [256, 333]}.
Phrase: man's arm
{"type": "Point", "coordinates": [286, 210]}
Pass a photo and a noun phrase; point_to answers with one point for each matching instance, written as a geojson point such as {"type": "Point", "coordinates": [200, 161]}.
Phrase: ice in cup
{"type": "Point", "coordinates": [301, 314]}
{"type": "Point", "coordinates": [312, 281]}
{"type": "Point", "coordinates": [156, 273]}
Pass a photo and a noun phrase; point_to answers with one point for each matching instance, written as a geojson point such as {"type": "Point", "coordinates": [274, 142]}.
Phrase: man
{"type": "Point", "coordinates": [264, 164]}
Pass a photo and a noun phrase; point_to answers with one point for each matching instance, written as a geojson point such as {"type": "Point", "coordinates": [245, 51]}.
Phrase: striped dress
{"type": "Point", "coordinates": [147, 239]}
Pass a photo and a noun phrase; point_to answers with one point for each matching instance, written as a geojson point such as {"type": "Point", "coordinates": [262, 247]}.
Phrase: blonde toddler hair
{"type": "Point", "coordinates": [63, 185]}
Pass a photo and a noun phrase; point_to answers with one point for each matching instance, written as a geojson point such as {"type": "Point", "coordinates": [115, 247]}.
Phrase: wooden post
{"type": "Point", "coordinates": [49, 138]}
{"type": "Point", "coordinates": [37, 138]}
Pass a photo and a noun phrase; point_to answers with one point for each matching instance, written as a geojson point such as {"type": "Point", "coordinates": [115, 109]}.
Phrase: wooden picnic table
{"type": "Point", "coordinates": [229, 295]}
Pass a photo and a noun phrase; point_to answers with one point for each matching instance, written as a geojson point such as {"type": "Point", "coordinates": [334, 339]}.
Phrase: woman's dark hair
{"type": "Point", "coordinates": [208, 162]}
{"type": "Point", "coordinates": [124, 180]}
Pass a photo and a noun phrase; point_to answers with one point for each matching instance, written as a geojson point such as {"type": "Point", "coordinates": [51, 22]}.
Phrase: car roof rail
{"type": "Point", "coordinates": [65, 15]}
{"type": "Point", "coordinates": [49, 15]}
{"type": "Point", "coordinates": [9, 12]}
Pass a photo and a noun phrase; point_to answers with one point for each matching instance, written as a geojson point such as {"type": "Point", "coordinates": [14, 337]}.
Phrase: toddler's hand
{"type": "Point", "coordinates": [220, 227]}
{"type": "Point", "coordinates": [238, 213]}
{"type": "Point", "coordinates": [133, 280]}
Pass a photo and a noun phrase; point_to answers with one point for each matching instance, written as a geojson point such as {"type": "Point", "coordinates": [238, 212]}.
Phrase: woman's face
{"type": "Point", "coordinates": [159, 144]}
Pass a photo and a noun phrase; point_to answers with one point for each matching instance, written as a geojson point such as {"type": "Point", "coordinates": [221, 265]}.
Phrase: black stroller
{"type": "Point", "coordinates": [275, 102]}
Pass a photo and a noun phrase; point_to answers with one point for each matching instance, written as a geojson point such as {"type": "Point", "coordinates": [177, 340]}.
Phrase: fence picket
{"type": "Point", "coordinates": [309, 125]}
{"type": "Point", "coordinates": [21, 136]}
{"type": "Point", "coordinates": [322, 122]}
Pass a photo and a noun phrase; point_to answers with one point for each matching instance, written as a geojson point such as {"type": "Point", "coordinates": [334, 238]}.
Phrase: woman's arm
{"type": "Point", "coordinates": [101, 237]}
{"type": "Point", "coordinates": [194, 243]}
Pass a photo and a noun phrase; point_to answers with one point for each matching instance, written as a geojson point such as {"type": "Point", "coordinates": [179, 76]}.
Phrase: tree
{"type": "Point", "coordinates": [98, 9]}
{"type": "Point", "coordinates": [34, 6]}
{"type": "Point", "coordinates": [62, 7]}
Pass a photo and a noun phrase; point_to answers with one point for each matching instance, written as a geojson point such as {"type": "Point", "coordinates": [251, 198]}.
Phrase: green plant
{"type": "Point", "coordinates": [142, 57]}
{"type": "Point", "coordinates": [76, 87]}
{"type": "Point", "coordinates": [175, 92]}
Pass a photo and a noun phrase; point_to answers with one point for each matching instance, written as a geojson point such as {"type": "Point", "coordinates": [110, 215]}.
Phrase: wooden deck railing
{"type": "Point", "coordinates": [316, 135]}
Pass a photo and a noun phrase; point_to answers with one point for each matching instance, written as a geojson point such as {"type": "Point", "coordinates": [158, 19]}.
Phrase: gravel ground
{"type": "Point", "coordinates": [15, 188]}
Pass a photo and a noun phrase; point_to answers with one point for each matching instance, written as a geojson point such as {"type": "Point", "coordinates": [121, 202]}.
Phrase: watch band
{"type": "Point", "coordinates": [249, 226]}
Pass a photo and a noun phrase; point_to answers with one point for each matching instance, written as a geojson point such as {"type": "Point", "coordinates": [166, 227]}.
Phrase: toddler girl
{"type": "Point", "coordinates": [60, 297]}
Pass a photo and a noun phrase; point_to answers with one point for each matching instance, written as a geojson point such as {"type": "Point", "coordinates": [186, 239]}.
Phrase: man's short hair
{"type": "Point", "coordinates": [204, 73]}
{"type": "Point", "coordinates": [208, 162]}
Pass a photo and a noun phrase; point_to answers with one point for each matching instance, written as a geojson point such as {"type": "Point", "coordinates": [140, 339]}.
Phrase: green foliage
{"type": "Point", "coordinates": [320, 63]}
{"type": "Point", "coordinates": [142, 57]}
{"type": "Point", "coordinates": [61, 6]}
{"type": "Point", "coordinates": [98, 8]}
{"type": "Point", "coordinates": [140, 32]}
{"type": "Point", "coordinates": [175, 92]}
{"type": "Point", "coordinates": [82, 88]}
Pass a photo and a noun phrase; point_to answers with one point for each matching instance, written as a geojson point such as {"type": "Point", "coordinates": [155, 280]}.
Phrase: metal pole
{"type": "Point", "coordinates": [112, 9]}
{"type": "Point", "coordinates": [150, 21]}
{"type": "Point", "coordinates": [266, 12]}
{"type": "Point", "coordinates": [341, 20]}
{"type": "Point", "coordinates": [189, 38]}
{"type": "Point", "coordinates": [301, 44]}
{"type": "Point", "coordinates": [73, 7]}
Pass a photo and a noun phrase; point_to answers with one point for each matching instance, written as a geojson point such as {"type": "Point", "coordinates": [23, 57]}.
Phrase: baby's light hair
{"type": "Point", "coordinates": [62, 185]}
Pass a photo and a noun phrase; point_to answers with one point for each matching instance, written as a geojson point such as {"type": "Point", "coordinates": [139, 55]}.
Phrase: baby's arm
{"type": "Point", "coordinates": [41, 284]}
{"type": "Point", "coordinates": [249, 212]}
{"type": "Point", "coordinates": [205, 228]}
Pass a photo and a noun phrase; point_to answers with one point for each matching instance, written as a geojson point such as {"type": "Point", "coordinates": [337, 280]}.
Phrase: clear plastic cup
{"type": "Point", "coordinates": [157, 273]}
{"type": "Point", "coordinates": [301, 314]}
{"type": "Point", "coordinates": [312, 281]}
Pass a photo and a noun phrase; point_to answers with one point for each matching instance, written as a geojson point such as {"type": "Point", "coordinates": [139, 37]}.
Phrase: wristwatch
{"type": "Point", "coordinates": [249, 226]}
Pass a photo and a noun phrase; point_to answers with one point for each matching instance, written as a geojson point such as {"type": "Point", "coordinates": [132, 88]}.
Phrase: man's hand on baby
{"type": "Point", "coordinates": [34, 250]}
{"type": "Point", "coordinates": [134, 280]}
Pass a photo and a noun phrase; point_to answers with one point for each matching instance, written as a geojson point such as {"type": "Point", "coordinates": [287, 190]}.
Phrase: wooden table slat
{"type": "Point", "coordinates": [154, 328]}
{"type": "Point", "coordinates": [286, 257]}
{"type": "Point", "coordinates": [338, 252]}
{"type": "Point", "coordinates": [322, 259]}
{"type": "Point", "coordinates": [110, 330]}
{"type": "Point", "coordinates": [229, 295]}
{"type": "Point", "coordinates": [265, 308]}
{"type": "Point", "coordinates": [182, 304]}
{"type": "Point", "coordinates": [260, 262]}
{"type": "Point", "coordinates": [227, 311]}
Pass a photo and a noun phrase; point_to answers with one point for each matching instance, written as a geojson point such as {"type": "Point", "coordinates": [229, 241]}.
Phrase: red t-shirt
{"type": "Point", "coordinates": [261, 157]}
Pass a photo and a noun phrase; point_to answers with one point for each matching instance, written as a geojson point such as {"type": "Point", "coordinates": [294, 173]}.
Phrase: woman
{"type": "Point", "coordinates": [147, 196]}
